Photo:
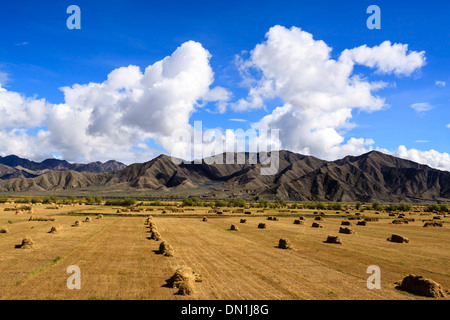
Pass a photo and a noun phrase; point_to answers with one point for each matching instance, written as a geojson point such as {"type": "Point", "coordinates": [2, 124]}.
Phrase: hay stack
{"type": "Point", "coordinates": [361, 223]}
{"type": "Point", "coordinates": [88, 219]}
{"type": "Point", "coordinates": [270, 218]}
{"type": "Point", "coordinates": [32, 218]}
{"type": "Point", "coordinates": [4, 230]}
{"type": "Point", "coordinates": [234, 228]}
{"type": "Point", "coordinates": [399, 221]}
{"type": "Point", "coordinates": [155, 235]}
{"type": "Point", "coordinates": [275, 219]}
{"type": "Point", "coordinates": [421, 286]}
{"type": "Point", "coordinates": [371, 219]}
{"type": "Point", "coordinates": [205, 219]}
{"type": "Point", "coordinates": [316, 225]}
{"type": "Point", "coordinates": [433, 224]}
{"type": "Point", "coordinates": [27, 243]}
{"type": "Point", "coordinates": [243, 220]}
{"type": "Point", "coordinates": [302, 218]}
{"type": "Point", "coordinates": [100, 216]}
{"type": "Point", "coordinates": [19, 212]}
{"type": "Point", "coordinates": [333, 239]}
{"type": "Point", "coordinates": [285, 244]}
{"type": "Point", "coordinates": [262, 226]}
{"type": "Point", "coordinates": [318, 218]}
{"type": "Point", "coordinates": [398, 238]}
{"type": "Point", "coordinates": [346, 223]}
{"type": "Point", "coordinates": [298, 222]}
{"type": "Point", "coordinates": [77, 223]}
{"type": "Point", "coordinates": [56, 229]}
{"type": "Point", "coordinates": [346, 230]}
{"type": "Point", "coordinates": [248, 212]}
{"type": "Point", "coordinates": [166, 249]}
{"type": "Point", "coordinates": [184, 280]}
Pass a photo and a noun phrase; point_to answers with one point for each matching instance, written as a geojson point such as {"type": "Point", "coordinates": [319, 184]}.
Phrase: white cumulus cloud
{"type": "Point", "coordinates": [432, 158]}
{"type": "Point", "coordinates": [387, 58]}
{"type": "Point", "coordinates": [113, 119]}
{"type": "Point", "coordinates": [319, 93]}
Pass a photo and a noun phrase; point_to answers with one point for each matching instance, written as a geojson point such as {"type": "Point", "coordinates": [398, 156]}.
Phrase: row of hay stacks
{"type": "Point", "coordinates": [28, 243]}
{"type": "Point", "coordinates": [35, 218]}
{"type": "Point", "coordinates": [184, 278]}
{"type": "Point", "coordinates": [164, 248]}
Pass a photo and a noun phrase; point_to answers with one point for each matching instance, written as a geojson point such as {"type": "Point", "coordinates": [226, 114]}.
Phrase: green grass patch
{"type": "Point", "coordinates": [45, 267]}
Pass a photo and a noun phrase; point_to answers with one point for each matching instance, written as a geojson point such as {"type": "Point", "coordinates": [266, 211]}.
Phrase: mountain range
{"type": "Point", "coordinates": [373, 176]}
{"type": "Point", "coordinates": [15, 167]}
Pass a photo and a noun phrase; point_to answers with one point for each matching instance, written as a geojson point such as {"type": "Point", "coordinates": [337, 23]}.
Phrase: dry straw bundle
{"type": "Point", "coordinates": [421, 286]}
{"type": "Point", "coordinates": [234, 228]}
{"type": "Point", "coordinates": [184, 280]}
{"type": "Point", "coordinates": [285, 244]}
{"type": "Point", "coordinates": [398, 238]}
{"type": "Point", "coordinates": [346, 230]}
{"type": "Point", "coordinates": [155, 236]}
{"type": "Point", "coordinates": [27, 243]}
{"type": "Point", "coordinates": [56, 229]}
{"type": "Point", "coordinates": [262, 226]}
{"type": "Point", "coordinates": [33, 218]}
{"type": "Point", "coordinates": [166, 249]}
{"type": "Point", "coordinates": [77, 223]}
{"type": "Point", "coordinates": [4, 230]}
{"type": "Point", "coordinates": [433, 224]}
{"type": "Point", "coordinates": [333, 239]}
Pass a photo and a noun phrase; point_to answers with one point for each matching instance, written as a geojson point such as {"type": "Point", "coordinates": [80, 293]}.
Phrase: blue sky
{"type": "Point", "coordinates": [39, 55]}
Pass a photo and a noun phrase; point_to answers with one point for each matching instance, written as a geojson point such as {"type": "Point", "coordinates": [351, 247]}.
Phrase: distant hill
{"type": "Point", "coordinates": [15, 167]}
{"type": "Point", "coordinates": [369, 177]}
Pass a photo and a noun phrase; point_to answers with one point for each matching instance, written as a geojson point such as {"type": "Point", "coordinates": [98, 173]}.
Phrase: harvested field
{"type": "Point", "coordinates": [118, 262]}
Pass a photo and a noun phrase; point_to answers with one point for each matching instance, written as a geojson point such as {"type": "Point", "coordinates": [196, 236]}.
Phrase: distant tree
{"type": "Point", "coordinates": [376, 205]}
{"type": "Point", "coordinates": [320, 206]}
{"type": "Point", "coordinates": [98, 199]}
{"type": "Point", "coordinates": [89, 199]}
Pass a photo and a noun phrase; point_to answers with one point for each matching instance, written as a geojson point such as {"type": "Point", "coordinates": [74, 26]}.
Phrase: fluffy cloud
{"type": "Point", "coordinates": [17, 111]}
{"type": "Point", "coordinates": [114, 119]}
{"type": "Point", "coordinates": [319, 93]}
{"type": "Point", "coordinates": [387, 58]}
{"type": "Point", "coordinates": [431, 158]}
{"type": "Point", "coordinates": [441, 83]}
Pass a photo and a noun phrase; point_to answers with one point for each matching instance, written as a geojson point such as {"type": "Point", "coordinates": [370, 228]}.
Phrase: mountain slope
{"type": "Point", "coordinates": [20, 167]}
{"type": "Point", "coordinates": [369, 177]}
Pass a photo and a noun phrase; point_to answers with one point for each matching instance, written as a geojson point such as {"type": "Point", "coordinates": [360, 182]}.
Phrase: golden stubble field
{"type": "Point", "coordinates": [118, 261]}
